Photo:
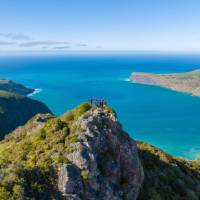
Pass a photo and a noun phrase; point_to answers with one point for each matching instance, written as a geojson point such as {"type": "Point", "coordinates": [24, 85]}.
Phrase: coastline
{"type": "Point", "coordinates": [171, 89]}
{"type": "Point", "coordinates": [36, 91]}
{"type": "Point", "coordinates": [188, 82]}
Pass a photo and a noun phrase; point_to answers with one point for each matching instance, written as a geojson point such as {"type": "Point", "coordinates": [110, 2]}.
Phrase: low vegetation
{"type": "Point", "coordinates": [188, 82]}
{"type": "Point", "coordinates": [11, 86]}
{"type": "Point", "coordinates": [15, 110]}
{"type": "Point", "coordinates": [29, 159]}
{"type": "Point", "coordinates": [166, 177]}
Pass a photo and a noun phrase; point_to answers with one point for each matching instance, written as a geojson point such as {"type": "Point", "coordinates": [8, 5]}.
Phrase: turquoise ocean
{"type": "Point", "coordinates": [165, 118]}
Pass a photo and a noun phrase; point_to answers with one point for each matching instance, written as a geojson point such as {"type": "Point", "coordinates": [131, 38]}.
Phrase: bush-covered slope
{"type": "Point", "coordinates": [166, 177]}
{"type": "Point", "coordinates": [83, 154]}
{"type": "Point", "coordinates": [15, 110]}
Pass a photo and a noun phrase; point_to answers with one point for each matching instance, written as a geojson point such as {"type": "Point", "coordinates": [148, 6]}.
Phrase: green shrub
{"type": "Point", "coordinates": [85, 175]}
{"type": "Point", "coordinates": [42, 134]}
{"type": "Point", "coordinates": [60, 159]}
{"type": "Point", "coordinates": [68, 116]}
{"type": "Point", "coordinates": [5, 195]}
{"type": "Point", "coordinates": [18, 191]}
{"type": "Point", "coordinates": [71, 139]}
{"type": "Point", "coordinates": [110, 110]}
{"type": "Point", "coordinates": [73, 127]}
{"type": "Point", "coordinates": [55, 124]}
{"type": "Point", "coordinates": [81, 109]}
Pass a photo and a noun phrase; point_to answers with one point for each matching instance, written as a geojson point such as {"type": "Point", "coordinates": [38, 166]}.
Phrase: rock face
{"type": "Point", "coordinates": [15, 110]}
{"type": "Point", "coordinates": [11, 86]}
{"type": "Point", "coordinates": [104, 163]}
{"type": "Point", "coordinates": [83, 154]}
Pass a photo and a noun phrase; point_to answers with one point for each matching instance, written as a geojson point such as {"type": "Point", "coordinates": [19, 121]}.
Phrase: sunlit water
{"type": "Point", "coordinates": [167, 119]}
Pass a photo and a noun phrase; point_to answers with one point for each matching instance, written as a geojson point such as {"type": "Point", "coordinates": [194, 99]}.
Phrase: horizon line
{"type": "Point", "coordinates": [35, 52]}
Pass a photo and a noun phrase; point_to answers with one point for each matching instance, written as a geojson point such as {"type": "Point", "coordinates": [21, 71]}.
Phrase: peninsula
{"type": "Point", "coordinates": [188, 82]}
{"type": "Point", "coordinates": [15, 108]}
{"type": "Point", "coordinates": [13, 87]}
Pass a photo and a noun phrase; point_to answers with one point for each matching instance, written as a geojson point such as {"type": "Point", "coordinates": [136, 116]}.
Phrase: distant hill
{"type": "Point", "coordinates": [188, 82]}
{"type": "Point", "coordinates": [11, 86]}
{"type": "Point", "coordinates": [15, 110]}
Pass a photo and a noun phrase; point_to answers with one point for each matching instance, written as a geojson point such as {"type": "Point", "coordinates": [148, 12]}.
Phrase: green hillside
{"type": "Point", "coordinates": [166, 177]}
{"type": "Point", "coordinates": [33, 156]}
{"type": "Point", "coordinates": [15, 110]}
{"type": "Point", "coordinates": [13, 87]}
{"type": "Point", "coordinates": [188, 82]}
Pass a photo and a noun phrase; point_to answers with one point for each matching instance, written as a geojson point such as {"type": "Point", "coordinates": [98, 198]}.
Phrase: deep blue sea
{"type": "Point", "coordinates": [165, 118]}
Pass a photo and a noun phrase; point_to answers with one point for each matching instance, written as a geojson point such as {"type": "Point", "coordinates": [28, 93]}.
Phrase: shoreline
{"type": "Point", "coordinates": [171, 89]}
{"type": "Point", "coordinates": [36, 91]}
{"type": "Point", "coordinates": [188, 82]}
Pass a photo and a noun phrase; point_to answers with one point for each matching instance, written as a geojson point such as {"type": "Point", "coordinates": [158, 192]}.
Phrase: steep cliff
{"type": "Point", "coordinates": [15, 110]}
{"type": "Point", "coordinates": [83, 154]}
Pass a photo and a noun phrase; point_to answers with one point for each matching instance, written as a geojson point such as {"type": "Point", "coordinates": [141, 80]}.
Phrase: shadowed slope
{"type": "Point", "coordinates": [166, 177]}
{"type": "Point", "coordinates": [15, 110]}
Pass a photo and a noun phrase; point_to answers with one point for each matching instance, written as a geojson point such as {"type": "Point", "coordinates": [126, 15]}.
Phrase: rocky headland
{"type": "Point", "coordinates": [13, 87]}
{"type": "Point", "coordinates": [188, 82]}
{"type": "Point", "coordinates": [15, 108]}
{"type": "Point", "coordinates": [85, 154]}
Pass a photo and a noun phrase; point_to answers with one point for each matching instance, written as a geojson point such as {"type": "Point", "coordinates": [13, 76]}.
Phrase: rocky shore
{"type": "Point", "coordinates": [188, 82]}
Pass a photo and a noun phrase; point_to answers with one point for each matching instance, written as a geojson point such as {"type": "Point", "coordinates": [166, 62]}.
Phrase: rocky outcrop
{"type": "Point", "coordinates": [83, 154]}
{"type": "Point", "coordinates": [104, 163]}
{"type": "Point", "coordinates": [13, 87]}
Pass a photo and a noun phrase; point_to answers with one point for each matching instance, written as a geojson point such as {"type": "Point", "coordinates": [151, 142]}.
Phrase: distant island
{"type": "Point", "coordinates": [188, 82]}
{"type": "Point", "coordinates": [13, 87]}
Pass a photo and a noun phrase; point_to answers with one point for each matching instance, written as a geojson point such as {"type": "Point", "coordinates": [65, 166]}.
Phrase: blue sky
{"type": "Point", "coordinates": [68, 25]}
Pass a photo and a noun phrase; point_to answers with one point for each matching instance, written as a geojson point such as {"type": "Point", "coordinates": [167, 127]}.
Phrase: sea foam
{"type": "Point", "coordinates": [36, 91]}
{"type": "Point", "coordinates": [125, 79]}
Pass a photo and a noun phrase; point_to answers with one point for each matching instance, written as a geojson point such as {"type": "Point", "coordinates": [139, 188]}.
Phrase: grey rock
{"type": "Point", "coordinates": [104, 163]}
{"type": "Point", "coordinates": [69, 180]}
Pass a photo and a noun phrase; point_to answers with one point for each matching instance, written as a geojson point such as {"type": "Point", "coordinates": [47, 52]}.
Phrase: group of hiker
{"type": "Point", "coordinates": [99, 103]}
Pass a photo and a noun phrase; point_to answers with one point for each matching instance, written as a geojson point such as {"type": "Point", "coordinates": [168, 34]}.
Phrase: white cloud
{"type": "Point", "coordinates": [16, 41]}
{"type": "Point", "coordinates": [15, 36]}
{"type": "Point", "coordinates": [41, 43]}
